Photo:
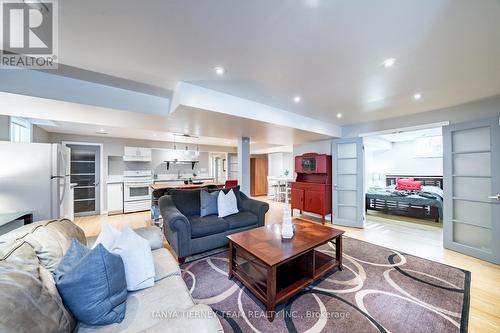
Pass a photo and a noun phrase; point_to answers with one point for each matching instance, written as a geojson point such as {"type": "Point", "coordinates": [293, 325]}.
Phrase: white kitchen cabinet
{"type": "Point", "coordinates": [138, 154]}
{"type": "Point", "coordinates": [115, 198]}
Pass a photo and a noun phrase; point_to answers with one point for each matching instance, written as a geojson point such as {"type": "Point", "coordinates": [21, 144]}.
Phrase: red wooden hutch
{"type": "Point", "coordinates": [312, 190]}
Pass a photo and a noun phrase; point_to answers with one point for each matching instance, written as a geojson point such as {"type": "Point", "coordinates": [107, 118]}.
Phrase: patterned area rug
{"type": "Point", "coordinates": [379, 290]}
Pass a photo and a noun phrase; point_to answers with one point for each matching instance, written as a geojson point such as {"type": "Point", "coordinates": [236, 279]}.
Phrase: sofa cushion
{"type": "Point", "coordinates": [207, 225]}
{"type": "Point", "coordinates": [26, 304]}
{"type": "Point", "coordinates": [165, 264]}
{"type": "Point", "coordinates": [95, 288]}
{"type": "Point", "coordinates": [208, 203]}
{"type": "Point", "coordinates": [167, 294]}
{"type": "Point", "coordinates": [50, 239]}
{"type": "Point", "coordinates": [241, 219]}
{"type": "Point", "coordinates": [187, 201]}
{"type": "Point", "coordinates": [152, 234]}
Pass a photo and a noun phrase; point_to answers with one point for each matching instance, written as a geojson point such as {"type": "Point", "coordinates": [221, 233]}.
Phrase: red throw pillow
{"type": "Point", "coordinates": [408, 185]}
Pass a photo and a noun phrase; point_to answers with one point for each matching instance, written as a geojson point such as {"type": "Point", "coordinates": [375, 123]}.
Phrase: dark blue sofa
{"type": "Point", "coordinates": [188, 233]}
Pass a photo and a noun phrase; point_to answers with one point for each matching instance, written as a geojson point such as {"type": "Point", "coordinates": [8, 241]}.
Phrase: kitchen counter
{"type": "Point", "coordinates": [160, 179]}
{"type": "Point", "coordinates": [114, 179]}
{"type": "Point", "coordinates": [181, 185]}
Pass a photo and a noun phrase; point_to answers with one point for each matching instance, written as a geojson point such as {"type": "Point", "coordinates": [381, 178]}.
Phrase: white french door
{"type": "Point", "coordinates": [471, 154]}
{"type": "Point", "coordinates": [348, 178]}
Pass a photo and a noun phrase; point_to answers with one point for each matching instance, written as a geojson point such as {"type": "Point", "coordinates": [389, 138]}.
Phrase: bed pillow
{"type": "Point", "coordinates": [408, 185]}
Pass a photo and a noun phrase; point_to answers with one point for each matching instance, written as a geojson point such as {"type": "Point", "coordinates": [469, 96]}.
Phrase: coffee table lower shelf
{"type": "Point", "coordinates": [275, 284]}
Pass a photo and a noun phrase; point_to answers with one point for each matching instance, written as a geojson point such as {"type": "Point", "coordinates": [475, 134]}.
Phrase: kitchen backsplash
{"type": "Point", "coordinates": [116, 166]}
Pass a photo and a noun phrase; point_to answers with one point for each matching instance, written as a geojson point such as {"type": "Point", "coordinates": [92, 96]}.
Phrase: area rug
{"type": "Point", "coordinates": [379, 290]}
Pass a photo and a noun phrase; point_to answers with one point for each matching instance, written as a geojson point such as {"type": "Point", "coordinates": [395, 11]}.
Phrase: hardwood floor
{"type": "Point", "coordinates": [420, 239]}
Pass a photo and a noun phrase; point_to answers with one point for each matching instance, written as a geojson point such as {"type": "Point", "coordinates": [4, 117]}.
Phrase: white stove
{"type": "Point", "coordinates": [137, 190]}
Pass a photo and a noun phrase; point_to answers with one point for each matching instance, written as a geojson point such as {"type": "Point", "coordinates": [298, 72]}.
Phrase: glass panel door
{"type": "Point", "coordinates": [471, 184]}
{"type": "Point", "coordinates": [348, 188]}
{"type": "Point", "coordinates": [85, 174]}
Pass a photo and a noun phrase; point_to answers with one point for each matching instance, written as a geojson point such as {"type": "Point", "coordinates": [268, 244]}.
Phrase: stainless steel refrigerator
{"type": "Point", "coordinates": [35, 177]}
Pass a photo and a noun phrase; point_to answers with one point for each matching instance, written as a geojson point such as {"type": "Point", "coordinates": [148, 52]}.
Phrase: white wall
{"type": "Point", "coordinates": [400, 160]}
{"type": "Point", "coordinates": [279, 162]}
{"type": "Point", "coordinates": [319, 147]}
{"type": "Point", "coordinates": [4, 128]}
{"type": "Point", "coordinates": [40, 135]}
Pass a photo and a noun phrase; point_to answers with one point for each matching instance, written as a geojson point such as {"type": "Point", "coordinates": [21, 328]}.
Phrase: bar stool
{"type": "Point", "coordinates": [273, 193]}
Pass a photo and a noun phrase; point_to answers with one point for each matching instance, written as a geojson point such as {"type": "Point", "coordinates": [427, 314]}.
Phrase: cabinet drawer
{"type": "Point", "coordinates": [309, 186]}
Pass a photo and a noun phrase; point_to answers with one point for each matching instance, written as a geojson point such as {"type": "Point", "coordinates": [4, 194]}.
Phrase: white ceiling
{"type": "Point", "coordinates": [212, 128]}
{"type": "Point", "coordinates": [327, 51]}
{"type": "Point", "coordinates": [209, 127]}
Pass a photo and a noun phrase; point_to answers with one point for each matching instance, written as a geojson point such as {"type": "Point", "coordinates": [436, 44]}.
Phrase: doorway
{"type": "Point", "coordinates": [218, 166]}
{"type": "Point", "coordinates": [85, 175]}
{"type": "Point", "coordinates": [404, 176]}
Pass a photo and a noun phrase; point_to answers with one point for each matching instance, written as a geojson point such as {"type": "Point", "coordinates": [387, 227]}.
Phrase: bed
{"type": "Point", "coordinates": [427, 204]}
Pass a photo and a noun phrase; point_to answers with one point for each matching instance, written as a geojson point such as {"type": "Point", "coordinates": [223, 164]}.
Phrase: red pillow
{"type": "Point", "coordinates": [408, 185]}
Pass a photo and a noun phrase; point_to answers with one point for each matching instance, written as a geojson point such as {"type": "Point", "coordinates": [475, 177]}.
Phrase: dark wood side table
{"type": "Point", "coordinates": [274, 269]}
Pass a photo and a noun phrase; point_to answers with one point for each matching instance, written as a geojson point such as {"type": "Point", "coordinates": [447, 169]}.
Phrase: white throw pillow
{"type": "Point", "coordinates": [135, 252]}
{"type": "Point", "coordinates": [107, 237]}
{"type": "Point", "coordinates": [227, 203]}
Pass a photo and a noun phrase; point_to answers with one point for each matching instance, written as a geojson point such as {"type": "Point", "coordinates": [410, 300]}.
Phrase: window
{"type": "Point", "coordinates": [429, 147]}
{"type": "Point", "coordinates": [20, 130]}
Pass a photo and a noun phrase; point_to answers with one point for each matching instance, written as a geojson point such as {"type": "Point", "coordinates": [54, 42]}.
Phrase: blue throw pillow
{"type": "Point", "coordinates": [208, 203]}
{"type": "Point", "coordinates": [92, 285]}
{"type": "Point", "coordinates": [74, 254]}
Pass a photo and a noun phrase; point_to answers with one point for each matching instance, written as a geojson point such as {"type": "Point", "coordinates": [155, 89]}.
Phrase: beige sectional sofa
{"type": "Point", "coordinates": [31, 303]}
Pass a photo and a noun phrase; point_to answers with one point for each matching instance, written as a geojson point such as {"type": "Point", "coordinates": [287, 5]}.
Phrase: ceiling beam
{"type": "Point", "coordinates": [63, 87]}
{"type": "Point", "coordinates": [190, 95]}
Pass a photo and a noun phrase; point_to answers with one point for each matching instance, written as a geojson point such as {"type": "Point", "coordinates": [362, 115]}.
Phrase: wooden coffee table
{"type": "Point", "coordinates": [275, 269]}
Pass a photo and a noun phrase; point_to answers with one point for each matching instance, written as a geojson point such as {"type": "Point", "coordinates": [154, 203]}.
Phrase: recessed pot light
{"type": "Point", "coordinates": [388, 63]}
{"type": "Point", "coordinates": [339, 115]}
{"type": "Point", "coordinates": [219, 70]}
{"type": "Point", "coordinates": [417, 96]}
{"type": "Point", "coordinates": [297, 99]}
